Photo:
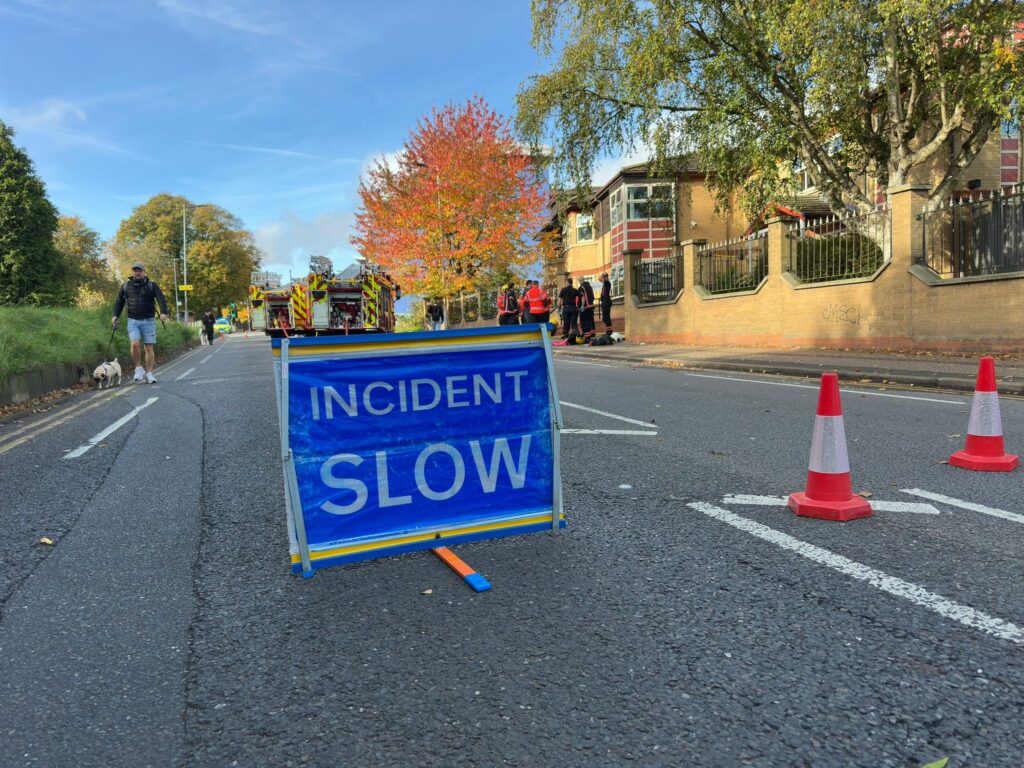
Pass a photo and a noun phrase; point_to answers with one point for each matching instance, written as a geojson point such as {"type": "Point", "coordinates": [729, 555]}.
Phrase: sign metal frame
{"type": "Point", "coordinates": [375, 345]}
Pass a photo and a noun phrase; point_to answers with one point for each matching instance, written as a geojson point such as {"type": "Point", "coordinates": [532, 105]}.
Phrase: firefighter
{"type": "Point", "coordinates": [508, 306]}
{"type": "Point", "coordinates": [538, 303]}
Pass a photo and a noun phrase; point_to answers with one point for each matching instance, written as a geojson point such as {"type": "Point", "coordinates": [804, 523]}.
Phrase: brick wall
{"type": "Point", "coordinates": [895, 310]}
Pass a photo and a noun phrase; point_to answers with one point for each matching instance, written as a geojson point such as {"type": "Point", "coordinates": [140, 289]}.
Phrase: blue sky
{"type": "Point", "coordinates": [270, 109]}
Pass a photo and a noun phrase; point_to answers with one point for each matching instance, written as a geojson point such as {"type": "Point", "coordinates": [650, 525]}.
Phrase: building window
{"type": "Point", "coordinates": [649, 201]}
{"type": "Point", "coordinates": [616, 207]}
{"type": "Point", "coordinates": [1009, 157]}
{"type": "Point", "coordinates": [584, 227]}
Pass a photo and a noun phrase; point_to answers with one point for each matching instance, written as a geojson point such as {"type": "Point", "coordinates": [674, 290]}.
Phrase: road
{"type": "Point", "coordinates": [679, 620]}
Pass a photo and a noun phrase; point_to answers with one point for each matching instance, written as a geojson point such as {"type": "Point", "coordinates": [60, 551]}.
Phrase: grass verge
{"type": "Point", "coordinates": [32, 338]}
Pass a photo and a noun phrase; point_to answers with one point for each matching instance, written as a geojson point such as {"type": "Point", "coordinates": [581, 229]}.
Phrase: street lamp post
{"type": "Point", "coordinates": [184, 252]}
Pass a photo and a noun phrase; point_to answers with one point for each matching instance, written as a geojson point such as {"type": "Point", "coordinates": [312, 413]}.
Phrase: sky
{"type": "Point", "coordinates": [270, 109]}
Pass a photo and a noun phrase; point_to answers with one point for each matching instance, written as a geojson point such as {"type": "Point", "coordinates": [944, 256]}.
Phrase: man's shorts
{"type": "Point", "coordinates": [142, 329]}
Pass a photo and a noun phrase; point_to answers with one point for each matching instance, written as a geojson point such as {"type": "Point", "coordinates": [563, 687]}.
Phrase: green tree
{"type": "Point", "coordinates": [892, 88]}
{"type": "Point", "coordinates": [221, 253]}
{"type": "Point", "coordinates": [31, 269]}
{"type": "Point", "coordinates": [81, 249]}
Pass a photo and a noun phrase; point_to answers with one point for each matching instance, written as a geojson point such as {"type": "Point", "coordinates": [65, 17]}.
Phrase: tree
{"type": "Point", "coordinates": [893, 88]}
{"type": "Point", "coordinates": [464, 204]}
{"type": "Point", "coordinates": [81, 249]}
{"type": "Point", "coordinates": [31, 269]}
{"type": "Point", "coordinates": [221, 253]}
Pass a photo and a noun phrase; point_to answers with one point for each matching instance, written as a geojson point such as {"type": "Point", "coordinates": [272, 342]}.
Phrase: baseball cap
{"type": "Point", "coordinates": [138, 265]}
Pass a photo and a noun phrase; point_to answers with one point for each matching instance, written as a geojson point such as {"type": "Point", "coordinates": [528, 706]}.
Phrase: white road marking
{"type": "Point", "coordinates": [186, 373]}
{"type": "Point", "coordinates": [582, 362]}
{"type": "Point", "coordinates": [607, 432]}
{"type": "Point", "coordinates": [878, 506]}
{"type": "Point", "coordinates": [1011, 516]}
{"type": "Point", "coordinates": [816, 388]}
{"type": "Point", "coordinates": [964, 614]}
{"type": "Point", "coordinates": [609, 415]}
{"type": "Point", "coordinates": [109, 430]}
{"type": "Point", "coordinates": [206, 358]}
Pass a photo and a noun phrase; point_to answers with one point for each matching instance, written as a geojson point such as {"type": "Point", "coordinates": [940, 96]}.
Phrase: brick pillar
{"type": "Point", "coordinates": [906, 201]}
{"type": "Point", "coordinates": [778, 253]}
{"type": "Point", "coordinates": [690, 266]}
{"type": "Point", "coordinates": [630, 258]}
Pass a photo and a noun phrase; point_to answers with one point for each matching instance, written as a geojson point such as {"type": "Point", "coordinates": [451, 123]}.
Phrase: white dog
{"type": "Point", "coordinates": [105, 374]}
{"type": "Point", "coordinates": [617, 337]}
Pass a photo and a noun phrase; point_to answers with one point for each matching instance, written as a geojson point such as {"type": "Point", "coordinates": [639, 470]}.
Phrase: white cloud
{"type": "Point", "coordinates": [289, 241]}
{"type": "Point", "coordinates": [47, 114]}
{"type": "Point", "coordinates": [62, 122]}
{"type": "Point", "coordinates": [222, 14]}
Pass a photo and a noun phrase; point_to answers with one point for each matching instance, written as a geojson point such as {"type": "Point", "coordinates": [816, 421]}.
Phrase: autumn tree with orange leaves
{"type": "Point", "coordinates": [461, 207]}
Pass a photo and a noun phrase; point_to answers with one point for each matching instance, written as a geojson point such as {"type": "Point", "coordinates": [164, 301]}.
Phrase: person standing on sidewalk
{"type": "Point", "coordinates": [508, 306]}
{"type": "Point", "coordinates": [586, 308]}
{"type": "Point", "coordinates": [435, 314]}
{"type": "Point", "coordinates": [141, 295]}
{"type": "Point", "coordinates": [606, 302]}
{"type": "Point", "coordinates": [568, 300]}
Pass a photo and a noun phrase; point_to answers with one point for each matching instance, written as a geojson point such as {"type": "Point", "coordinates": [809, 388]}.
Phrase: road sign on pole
{"type": "Point", "coordinates": [401, 442]}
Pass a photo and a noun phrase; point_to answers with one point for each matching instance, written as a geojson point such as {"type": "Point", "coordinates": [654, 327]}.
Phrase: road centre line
{"type": "Point", "coordinates": [64, 415]}
{"type": "Point", "coordinates": [1011, 516]}
{"type": "Point", "coordinates": [186, 373]}
{"type": "Point", "coordinates": [606, 432]}
{"type": "Point", "coordinates": [206, 358]}
{"type": "Point", "coordinates": [109, 430]}
{"type": "Point", "coordinates": [815, 387]}
{"type": "Point", "coordinates": [963, 614]}
{"type": "Point", "coordinates": [609, 415]}
{"type": "Point", "coordinates": [876, 505]}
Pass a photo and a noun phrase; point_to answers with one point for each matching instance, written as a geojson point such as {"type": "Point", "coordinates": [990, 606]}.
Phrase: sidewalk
{"type": "Point", "coordinates": [934, 370]}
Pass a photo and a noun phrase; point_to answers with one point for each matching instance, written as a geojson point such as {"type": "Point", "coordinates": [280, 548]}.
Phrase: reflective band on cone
{"type": "Point", "coordinates": [829, 493]}
{"type": "Point", "coordinates": [984, 450]}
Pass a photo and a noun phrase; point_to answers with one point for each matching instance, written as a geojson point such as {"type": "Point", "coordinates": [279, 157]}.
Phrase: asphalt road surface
{"type": "Point", "coordinates": [684, 618]}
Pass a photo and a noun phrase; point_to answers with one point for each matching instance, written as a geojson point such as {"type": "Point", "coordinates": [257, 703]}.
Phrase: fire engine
{"type": "Point", "coordinates": [360, 300]}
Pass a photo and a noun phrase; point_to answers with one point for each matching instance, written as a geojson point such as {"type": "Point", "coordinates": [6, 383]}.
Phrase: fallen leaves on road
{"type": "Point", "coordinates": [46, 540]}
{"type": "Point", "coordinates": [953, 437]}
{"type": "Point", "coordinates": [427, 592]}
{"type": "Point", "coordinates": [865, 494]}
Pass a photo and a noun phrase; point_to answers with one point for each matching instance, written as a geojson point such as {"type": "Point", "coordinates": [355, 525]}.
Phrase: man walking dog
{"type": "Point", "coordinates": [141, 295]}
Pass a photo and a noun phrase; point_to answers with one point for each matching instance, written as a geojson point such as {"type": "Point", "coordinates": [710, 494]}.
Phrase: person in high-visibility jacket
{"type": "Point", "coordinates": [508, 306]}
{"type": "Point", "coordinates": [539, 303]}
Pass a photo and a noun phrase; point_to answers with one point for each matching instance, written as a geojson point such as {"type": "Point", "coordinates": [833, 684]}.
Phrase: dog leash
{"type": "Point", "coordinates": [107, 355]}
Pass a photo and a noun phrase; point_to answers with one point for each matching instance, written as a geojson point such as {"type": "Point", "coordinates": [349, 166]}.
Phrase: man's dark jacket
{"type": "Point", "coordinates": [141, 297]}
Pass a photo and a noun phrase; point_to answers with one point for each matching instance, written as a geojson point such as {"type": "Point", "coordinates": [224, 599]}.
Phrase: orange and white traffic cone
{"type": "Point", "coordinates": [829, 493]}
{"type": "Point", "coordinates": [984, 449]}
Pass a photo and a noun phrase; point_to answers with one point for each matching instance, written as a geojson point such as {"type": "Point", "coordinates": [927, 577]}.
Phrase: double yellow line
{"type": "Point", "coordinates": [14, 438]}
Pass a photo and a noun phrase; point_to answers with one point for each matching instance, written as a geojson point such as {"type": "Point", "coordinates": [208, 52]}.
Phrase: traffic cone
{"type": "Point", "coordinates": [829, 495]}
{"type": "Point", "coordinates": [984, 449]}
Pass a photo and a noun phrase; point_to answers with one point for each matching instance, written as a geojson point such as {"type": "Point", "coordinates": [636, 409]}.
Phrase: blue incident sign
{"type": "Point", "coordinates": [414, 441]}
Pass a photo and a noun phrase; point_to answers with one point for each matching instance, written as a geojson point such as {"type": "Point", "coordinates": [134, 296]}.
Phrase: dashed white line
{"type": "Point", "coordinates": [1011, 516]}
{"type": "Point", "coordinates": [816, 388]}
{"type": "Point", "coordinates": [964, 614]}
{"type": "Point", "coordinates": [607, 432]}
{"type": "Point", "coordinates": [917, 508]}
{"type": "Point", "coordinates": [182, 376]}
{"type": "Point", "coordinates": [109, 430]}
{"type": "Point", "coordinates": [206, 358]}
{"type": "Point", "coordinates": [608, 415]}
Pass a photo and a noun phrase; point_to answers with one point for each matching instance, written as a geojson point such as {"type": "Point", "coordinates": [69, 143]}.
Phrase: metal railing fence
{"type": "Point", "coordinates": [657, 279]}
{"type": "Point", "coordinates": [839, 247]}
{"type": "Point", "coordinates": [975, 237]}
{"type": "Point", "coordinates": [738, 265]}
